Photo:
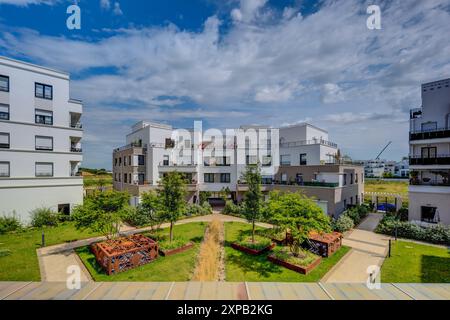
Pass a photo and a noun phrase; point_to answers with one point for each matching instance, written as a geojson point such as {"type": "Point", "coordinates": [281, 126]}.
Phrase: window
{"type": "Point", "coordinates": [4, 111]}
{"type": "Point", "coordinates": [266, 179]}
{"type": "Point", "coordinates": [285, 160]}
{"type": "Point", "coordinates": [64, 208]}
{"type": "Point", "coordinates": [44, 143]}
{"type": "Point", "coordinates": [4, 169]}
{"type": "Point", "coordinates": [356, 178]}
{"type": "Point", "coordinates": [251, 159]}
{"type": "Point", "coordinates": [303, 159]}
{"type": "Point", "coordinates": [351, 178]}
{"type": "Point", "coordinates": [267, 161]}
{"type": "Point", "coordinates": [124, 161]}
{"type": "Point", "coordinates": [4, 140]}
{"type": "Point", "coordinates": [141, 160]}
{"type": "Point", "coordinates": [345, 179]}
{"type": "Point", "coordinates": [283, 178]}
{"type": "Point", "coordinates": [208, 177]}
{"type": "Point", "coordinates": [428, 214]}
{"type": "Point", "coordinates": [115, 176]}
{"type": "Point", "coordinates": [165, 160]}
{"type": "Point", "coordinates": [125, 178]}
{"type": "Point", "coordinates": [345, 204]}
{"type": "Point", "coordinates": [225, 177]}
{"type": "Point", "coordinates": [129, 178]}
{"type": "Point", "coordinates": [44, 117]}
{"type": "Point", "coordinates": [429, 126]}
{"type": "Point", "coordinates": [129, 161]}
{"type": "Point", "coordinates": [4, 83]}
{"type": "Point", "coordinates": [115, 161]}
{"type": "Point", "coordinates": [187, 144]}
{"type": "Point", "coordinates": [44, 169]}
{"type": "Point", "coordinates": [429, 152]}
{"type": "Point", "coordinates": [43, 91]}
{"type": "Point", "coordinates": [120, 161]}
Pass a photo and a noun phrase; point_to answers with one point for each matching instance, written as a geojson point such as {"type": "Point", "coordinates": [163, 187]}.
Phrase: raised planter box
{"type": "Point", "coordinates": [293, 267]}
{"type": "Point", "coordinates": [125, 253]}
{"type": "Point", "coordinates": [252, 251]}
{"type": "Point", "coordinates": [170, 252]}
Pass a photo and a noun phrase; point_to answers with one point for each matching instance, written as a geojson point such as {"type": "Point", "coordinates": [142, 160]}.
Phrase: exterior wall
{"type": "Point", "coordinates": [23, 191]}
{"type": "Point", "coordinates": [429, 196]}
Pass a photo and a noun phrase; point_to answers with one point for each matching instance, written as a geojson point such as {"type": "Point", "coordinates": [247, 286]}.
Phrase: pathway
{"type": "Point", "coordinates": [54, 260]}
{"type": "Point", "coordinates": [368, 248]}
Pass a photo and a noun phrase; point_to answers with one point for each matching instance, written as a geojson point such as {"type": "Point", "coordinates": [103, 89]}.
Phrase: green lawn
{"type": "Point", "coordinates": [178, 267]}
{"type": "Point", "coordinates": [22, 263]}
{"type": "Point", "coordinates": [243, 267]}
{"type": "Point", "coordinates": [411, 262]}
{"type": "Point", "coordinates": [386, 186]}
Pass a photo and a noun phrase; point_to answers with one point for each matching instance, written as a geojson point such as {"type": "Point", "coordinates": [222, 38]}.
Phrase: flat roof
{"type": "Point", "coordinates": [29, 66]}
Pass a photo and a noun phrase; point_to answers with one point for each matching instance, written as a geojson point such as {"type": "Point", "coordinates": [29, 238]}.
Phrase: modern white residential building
{"type": "Point", "coordinates": [40, 140]}
{"type": "Point", "coordinates": [429, 144]}
{"type": "Point", "coordinates": [214, 160]}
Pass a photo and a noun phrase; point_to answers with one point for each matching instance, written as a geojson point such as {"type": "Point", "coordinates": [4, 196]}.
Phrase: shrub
{"type": "Point", "coordinates": [207, 209]}
{"type": "Point", "coordinates": [44, 217]}
{"type": "Point", "coordinates": [259, 244]}
{"type": "Point", "coordinates": [176, 243]}
{"type": "Point", "coordinates": [354, 215]}
{"type": "Point", "coordinates": [9, 223]}
{"type": "Point", "coordinates": [231, 209]}
{"type": "Point", "coordinates": [403, 214]}
{"type": "Point", "coordinates": [343, 223]}
{"type": "Point", "coordinates": [137, 217]}
{"type": "Point", "coordinates": [198, 210]}
{"type": "Point", "coordinates": [437, 234]}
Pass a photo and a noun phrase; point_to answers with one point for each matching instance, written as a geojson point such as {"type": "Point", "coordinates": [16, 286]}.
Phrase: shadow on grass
{"type": "Point", "coordinates": [435, 269]}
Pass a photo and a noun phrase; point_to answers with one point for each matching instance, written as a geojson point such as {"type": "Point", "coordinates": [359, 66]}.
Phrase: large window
{"type": "Point", "coordinates": [43, 91]}
{"type": "Point", "coordinates": [4, 83]}
{"type": "Point", "coordinates": [44, 169]}
{"type": "Point", "coordinates": [4, 140]}
{"type": "Point", "coordinates": [225, 177]}
{"type": "Point", "coordinates": [44, 143]}
{"type": "Point", "coordinates": [285, 160]}
{"type": "Point", "coordinates": [4, 111]}
{"type": "Point", "coordinates": [266, 161]}
{"type": "Point", "coordinates": [249, 160]}
{"type": "Point", "coordinates": [4, 169]}
{"type": "Point", "coordinates": [141, 160]}
{"type": "Point", "coordinates": [429, 152]}
{"type": "Point", "coordinates": [208, 177]}
{"type": "Point", "coordinates": [44, 117]}
{"type": "Point", "coordinates": [303, 159]}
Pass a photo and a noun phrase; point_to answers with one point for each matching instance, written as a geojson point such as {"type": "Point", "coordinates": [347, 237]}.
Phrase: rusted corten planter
{"type": "Point", "coordinates": [252, 251]}
{"type": "Point", "coordinates": [125, 253]}
{"type": "Point", "coordinates": [327, 243]}
{"type": "Point", "coordinates": [176, 250]}
{"type": "Point", "coordinates": [293, 267]}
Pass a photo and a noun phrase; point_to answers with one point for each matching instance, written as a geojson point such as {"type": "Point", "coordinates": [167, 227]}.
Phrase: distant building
{"type": "Point", "coordinates": [429, 159]}
{"type": "Point", "coordinates": [298, 157]}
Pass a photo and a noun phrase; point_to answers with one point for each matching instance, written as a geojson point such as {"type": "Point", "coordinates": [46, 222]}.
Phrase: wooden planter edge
{"type": "Point", "coordinates": [252, 251]}
{"type": "Point", "coordinates": [170, 252]}
{"type": "Point", "coordinates": [293, 267]}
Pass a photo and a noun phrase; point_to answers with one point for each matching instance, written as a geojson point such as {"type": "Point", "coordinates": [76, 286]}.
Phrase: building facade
{"type": "Point", "coordinates": [429, 146]}
{"type": "Point", "coordinates": [215, 160]}
{"type": "Point", "coordinates": [40, 140]}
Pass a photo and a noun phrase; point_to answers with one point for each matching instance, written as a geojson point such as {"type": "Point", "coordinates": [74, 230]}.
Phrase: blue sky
{"type": "Point", "coordinates": [235, 62]}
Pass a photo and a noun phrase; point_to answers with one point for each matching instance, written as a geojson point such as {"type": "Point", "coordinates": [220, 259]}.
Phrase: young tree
{"type": "Point", "coordinates": [102, 212]}
{"type": "Point", "coordinates": [152, 208]}
{"type": "Point", "coordinates": [299, 215]}
{"type": "Point", "coordinates": [172, 193]}
{"type": "Point", "coordinates": [252, 208]}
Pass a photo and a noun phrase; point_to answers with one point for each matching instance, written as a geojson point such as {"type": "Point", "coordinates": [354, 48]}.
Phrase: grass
{"type": "Point", "coordinates": [400, 187]}
{"type": "Point", "coordinates": [414, 263]}
{"type": "Point", "coordinates": [97, 180]}
{"type": "Point", "coordinates": [242, 267]}
{"type": "Point", "coordinates": [305, 260]}
{"type": "Point", "coordinates": [177, 267]}
{"type": "Point", "coordinates": [21, 264]}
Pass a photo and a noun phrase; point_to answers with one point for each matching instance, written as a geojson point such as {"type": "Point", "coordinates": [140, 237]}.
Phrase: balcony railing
{"type": "Point", "coordinates": [131, 145]}
{"type": "Point", "coordinates": [303, 183]}
{"type": "Point", "coordinates": [442, 159]}
{"type": "Point", "coordinates": [429, 182]}
{"type": "Point", "coordinates": [415, 113]}
{"type": "Point", "coordinates": [75, 149]}
{"type": "Point", "coordinates": [175, 164]}
{"type": "Point", "coordinates": [308, 142]}
{"type": "Point", "coordinates": [77, 125]}
{"type": "Point", "coordinates": [429, 134]}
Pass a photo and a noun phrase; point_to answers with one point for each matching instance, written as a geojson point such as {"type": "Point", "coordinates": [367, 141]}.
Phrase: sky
{"type": "Point", "coordinates": [235, 62]}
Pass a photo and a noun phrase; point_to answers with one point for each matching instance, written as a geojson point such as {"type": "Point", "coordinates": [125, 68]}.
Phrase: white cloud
{"type": "Point", "coordinates": [105, 4]}
{"type": "Point", "coordinates": [302, 63]}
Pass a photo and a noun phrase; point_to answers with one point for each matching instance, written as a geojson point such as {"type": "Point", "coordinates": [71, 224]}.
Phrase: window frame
{"type": "Point", "coordinates": [9, 113]}
{"type": "Point", "coordinates": [36, 115]}
{"type": "Point", "coordinates": [9, 169]}
{"type": "Point", "coordinates": [225, 174]}
{"type": "Point", "coordinates": [8, 86]}
{"type": "Point", "coordinates": [42, 149]}
{"type": "Point", "coordinates": [43, 90]}
{"type": "Point", "coordinates": [9, 139]}
{"type": "Point", "coordinates": [41, 163]}
{"type": "Point", "coordinates": [303, 161]}
{"type": "Point", "coordinates": [208, 175]}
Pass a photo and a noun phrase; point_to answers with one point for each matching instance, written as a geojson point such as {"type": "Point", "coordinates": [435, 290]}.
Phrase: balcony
{"type": "Point", "coordinates": [76, 149]}
{"type": "Point", "coordinates": [308, 142]}
{"type": "Point", "coordinates": [304, 183]}
{"type": "Point", "coordinates": [430, 134]}
{"type": "Point", "coordinates": [442, 159]}
{"type": "Point", "coordinates": [415, 113]}
{"type": "Point", "coordinates": [76, 125]}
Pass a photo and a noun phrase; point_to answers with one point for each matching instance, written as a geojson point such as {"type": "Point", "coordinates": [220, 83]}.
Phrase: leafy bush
{"type": "Point", "coordinates": [304, 259]}
{"type": "Point", "coordinates": [403, 214]}
{"type": "Point", "coordinates": [259, 244]}
{"type": "Point", "coordinates": [9, 223]}
{"type": "Point", "coordinates": [231, 209]}
{"type": "Point", "coordinates": [354, 215]}
{"type": "Point", "coordinates": [343, 223]}
{"type": "Point", "coordinates": [137, 217]}
{"type": "Point", "coordinates": [207, 209]}
{"type": "Point", "coordinates": [194, 209]}
{"type": "Point", "coordinates": [437, 234]}
{"type": "Point", "coordinates": [44, 217]}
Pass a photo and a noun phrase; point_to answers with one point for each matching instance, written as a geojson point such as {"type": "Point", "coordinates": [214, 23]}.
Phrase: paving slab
{"type": "Point", "coordinates": [285, 291]}
{"type": "Point", "coordinates": [357, 291]}
{"type": "Point", "coordinates": [426, 291]}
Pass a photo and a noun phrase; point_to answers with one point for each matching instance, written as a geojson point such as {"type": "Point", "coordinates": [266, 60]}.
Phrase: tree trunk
{"type": "Point", "coordinates": [253, 231]}
{"type": "Point", "coordinates": [171, 231]}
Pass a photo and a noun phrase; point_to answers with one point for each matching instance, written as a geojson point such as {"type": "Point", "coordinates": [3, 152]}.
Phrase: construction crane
{"type": "Point", "coordinates": [378, 156]}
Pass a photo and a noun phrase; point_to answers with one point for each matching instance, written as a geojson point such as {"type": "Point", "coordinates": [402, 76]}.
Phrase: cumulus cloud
{"type": "Point", "coordinates": [326, 66]}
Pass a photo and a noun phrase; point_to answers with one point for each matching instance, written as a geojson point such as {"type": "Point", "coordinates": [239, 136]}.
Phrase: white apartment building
{"type": "Point", "coordinates": [215, 160]}
{"type": "Point", "coordinates": [429, 144]}
{"type": "Point", "coordinates": [40, 140]}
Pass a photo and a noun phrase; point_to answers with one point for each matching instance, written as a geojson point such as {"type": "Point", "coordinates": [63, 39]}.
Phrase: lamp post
{"type": "Point", "coordinates": [43, 239]}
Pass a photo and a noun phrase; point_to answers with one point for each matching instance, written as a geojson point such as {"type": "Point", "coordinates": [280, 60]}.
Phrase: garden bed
{"type": "Point", "coordinates": [260, 246]}
{"type": "Point", "coordinates": [169, 252]}
{"type": "Point", "coordinates": [290, 262]}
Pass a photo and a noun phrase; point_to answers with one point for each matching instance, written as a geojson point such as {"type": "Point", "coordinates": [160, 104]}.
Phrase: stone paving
{"type": "Point", "coordinates": [220, 291]}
